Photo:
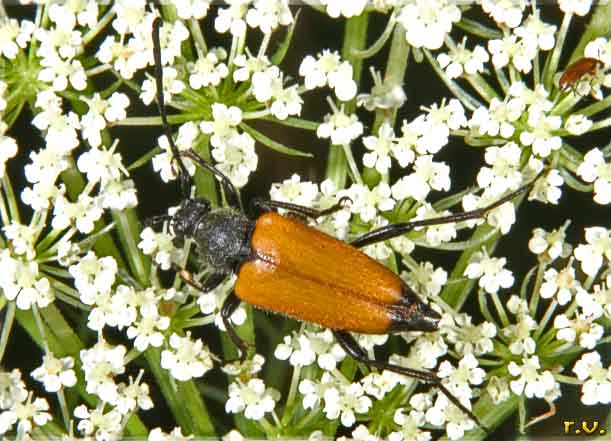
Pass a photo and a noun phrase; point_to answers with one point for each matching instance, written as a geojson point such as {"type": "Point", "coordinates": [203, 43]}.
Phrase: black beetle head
{"type": "Point", "coordinates": [188, 216]}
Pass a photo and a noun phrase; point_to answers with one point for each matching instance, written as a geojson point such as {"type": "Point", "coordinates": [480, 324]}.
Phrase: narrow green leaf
{"type": "Point", "coordinates": [284, 46]}
{"type": "Point", "coordinates": [274, 145]}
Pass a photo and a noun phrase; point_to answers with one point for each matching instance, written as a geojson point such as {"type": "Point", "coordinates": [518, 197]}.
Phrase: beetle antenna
{"type": "Point", "coordinates": [184, 177]}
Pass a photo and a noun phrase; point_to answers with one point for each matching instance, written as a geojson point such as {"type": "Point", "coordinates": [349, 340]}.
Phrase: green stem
{"type": "Point", "coordinates": [543, 323]}
{"type": "Point", "coordinates": [7, 326]}
{"type": "Point", "coordinates": [355, 39]}
{"type": "Point", "coordinates": [535, 295]}
{"type": "Point", "coordinates": [500, 309]}
{"type": "Point", "coordinates": [128, 229]}
{"type": "Point", "coordinates": [551, 67]}
{"type": "Point", "coordinates": [394, 76]}
{"type": "Point", "coordinates": [379, 43]}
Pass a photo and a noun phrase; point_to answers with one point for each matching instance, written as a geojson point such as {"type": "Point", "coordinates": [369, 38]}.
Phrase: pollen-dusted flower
{"type": "Point", "coordinates": [101, 363]}
{"type": "Point", "coordinates": [328, 68]}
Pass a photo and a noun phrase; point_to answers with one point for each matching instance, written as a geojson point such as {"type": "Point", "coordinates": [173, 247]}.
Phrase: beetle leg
{"type": "Point", "coordinates": [229, 306]}
{"type": "Point", "coordinates": [352, 348]}
{"type": "Point", "coordinates": [307, 212]}
{"type": "Point", "coordinates": [398, 229]}
{"type": "Point", "coordinates": [231, 193]}
{"type": "Point", "coordinates": [209, 284]}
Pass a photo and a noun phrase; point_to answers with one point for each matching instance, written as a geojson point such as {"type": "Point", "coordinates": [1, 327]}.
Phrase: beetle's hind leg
{"type": "Point", "coordinates": [352, 348]}
{"type": "Point", "coordinates": [230, 304]}
{"type": "Point", "coordinates": [301, 211]}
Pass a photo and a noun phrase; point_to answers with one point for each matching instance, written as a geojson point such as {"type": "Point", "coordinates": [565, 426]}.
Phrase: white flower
{"type": "Point", "coordinates": [490, 271]}
{"type": "Point", "coordinates": [469, 338]}
{"type": "Point", "coordinates": [577, 124]}
{"type": "Point", "coordinates": [253, 398]}
{"type": "Point", "coordinates": [232, 18]}
{"type": "Point", "coordinates": [410, 427]}
{"type": "Point", "coordinates": [175, 435]}
{"type": "Point", "coordinates": [25, 414]}
{"type": "Point", "coordinates": [101, 111]}
{"type": "Point", "coordinates": [133, 396]}
{"type": "Point", "coordinates": [520, 53]}
{"type": "Point", "coordinates": [507, 12]}
{"type": "Point", "coordinates": [21, 281]}
{"type": "Point", "coordinates": [427, 175]}
{"type": "Point", "coordinates": [208, 70]}
{"type": "Point", "coordinates": [236, 158]}
{"type": "Point", "coordinates": [426, 280]}
{"type": "Point", "coordinates": [147, 329]}
{"type": "Point", "coordinates": [366, 202]}
{"type": "Point", "coordinates": [462, 60]}
{"type": "Point", "coordinates": [341, 128]}
{"type": "Point", "coordinates": [212, 302]}
{"type": "Point", "coordinates": [305, 348]}
{"type": "Point", "coordinates": [581, 326]}
{"type": "Point", "coordinates": [455, 420]}
{"type": "Point", "coordinates": [561, 284]}
{"type": "Point", "coordinates": [55, 373]}
{"type": "Point", "coordinates": [591, 255]}
{"type": "Point", "coordinates": [93, 276]}
{"type": "Point", "coordinates": [12, 38]}
{"type": "Point", "coordinates": [345, 8]}
{"type": "Point", "coordinates": [342, 402]}
{"type": "Point", "coordinates": [520, 333]}
{"type": "Point", "coordinates": [187, 358]}
{"type": "Point", "coordinates": [498, 118]}
{"type": "Point", "coordinates": [101, 165]}
{"type": "Point", "coordinates": [247, 65]}
{"type": "Point", "coordinates": [267, 15]}
{"type": "Point", "coordinates": [579, 7]}
{"type": "Point", "coordinates": [547, 190]}
{"type": "Point", "coordinates": [187, 9]}
{"type": "Point", "coordinates": [105, 424]}
{"type": "Point", "coordinates": [60, 73]}
{"type": "Point", "coordinates": [8, 150]}
{"type": "Point", "coordinates": [459, 380]}
{"type": "Point", "coordinates": [171, 86]}
{"type": "Point", "coordinates": [165, 163]}
{"type": "Point", "coordinates": [498, 389]}
{"type": "Point", "coordinates": [597, 380]}
{"type": "Point", "coordinates": [504, 174]}
{"type": "Point", "coordinates": [223, 124]}
{"type": "Point", "coordinates": [595, 169]}
{"type": "Point", "coordinates": [380, 147]}
{"type": "Point", "coordinates": [100, 364]}
{"type": "Point", "coordinates": [540, 135]}
{"type": "Point", "coordinates": [82, 214]}
{"type": "Point", "coordinates": [537, 32]}
{"type": "Point", "coordinates": [551, 243]}
{"type": "Point", "coordinates": [427, 22]}
{"type": "Point", "coordinates": [329, 69]}
{"type": "Point", "coordinates": [531, 382]}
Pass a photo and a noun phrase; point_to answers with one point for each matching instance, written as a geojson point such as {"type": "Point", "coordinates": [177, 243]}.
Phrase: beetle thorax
{"type": "Point", "coordinates": [222, 239]}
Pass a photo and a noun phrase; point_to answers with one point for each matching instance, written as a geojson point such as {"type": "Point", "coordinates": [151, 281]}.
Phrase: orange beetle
{"type": "Point", "coordinates": [285, 266]}
{"type": "Point", "coordinates": [577, 70]}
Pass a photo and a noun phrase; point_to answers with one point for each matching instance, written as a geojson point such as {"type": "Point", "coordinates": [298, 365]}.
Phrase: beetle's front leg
{"type": "Point", "coordinates": [209, 284]}
{"type": "Point", "coordinates": [352, 348]}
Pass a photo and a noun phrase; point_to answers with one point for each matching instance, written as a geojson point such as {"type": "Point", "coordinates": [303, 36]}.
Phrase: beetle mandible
{"type": "Point", "coordinates": [287, 267]}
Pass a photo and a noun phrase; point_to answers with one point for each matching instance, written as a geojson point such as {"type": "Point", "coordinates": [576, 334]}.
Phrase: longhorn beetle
{"type": "Point", "coordinates": [285, 266]}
